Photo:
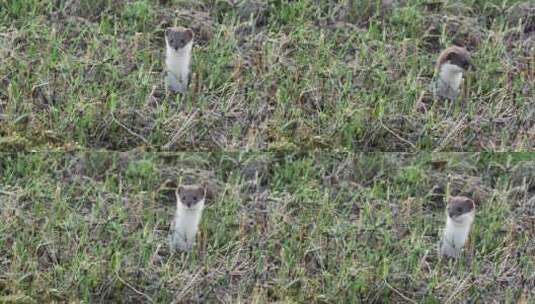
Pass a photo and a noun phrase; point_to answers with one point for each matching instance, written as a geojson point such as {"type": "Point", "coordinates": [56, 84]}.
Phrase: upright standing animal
{"type": "Point", "coordinates": [460, 214]}
{"type": "Point", "coordinates": [451, 64]}
{"type": "Point", "coordinates": [189, 206]}
{"type": "Point", "coordinates": [179, 42]}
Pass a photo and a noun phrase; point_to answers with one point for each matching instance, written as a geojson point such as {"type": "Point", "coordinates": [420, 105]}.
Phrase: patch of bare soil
{"type": "Point", "coordinates": [200, 22]}
{"type": "Point", "coordinates": [464, 31]}
{"type": "Point", "coordinates": [522, 15]}
{"type": "Point", "coordinates": [461, 178]}
{"type": "Point", "coordinates": [255, 11]}
{"type": "Point", "coordinates": [90, 10]}
{"type": "Point", "coordinates": [459, 185]}
{"type": "Point", "coordinates": [395, 133]}
{"type": "Point", "coordinates": [361, 14]}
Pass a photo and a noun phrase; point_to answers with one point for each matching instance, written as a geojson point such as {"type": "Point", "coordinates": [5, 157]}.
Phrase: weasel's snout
{"type": "Point", "coordinates": [454, 213]}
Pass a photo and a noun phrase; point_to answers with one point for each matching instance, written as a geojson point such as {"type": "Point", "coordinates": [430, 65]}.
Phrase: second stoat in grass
{"type": "Point", "coordinates": [451, 64]}
{"type": "Point", "coordinates": [179, 42]}
{"type": "Point", "coordinates": [189, 206]}
{"type": "Point", "coordinates": [460, 214]}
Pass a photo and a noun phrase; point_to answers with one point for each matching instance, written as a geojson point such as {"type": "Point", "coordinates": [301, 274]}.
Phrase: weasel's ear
{"type": "Point", "coordinates": [179, 190]}
{"type": "Point", "coordinates": [189, 34]}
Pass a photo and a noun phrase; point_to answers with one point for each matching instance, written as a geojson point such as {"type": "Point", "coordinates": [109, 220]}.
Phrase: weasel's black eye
{"type": "Point", "coordinates": [183, 198]}
{"type": "Point", "coordinates": [195, 198]}
{"type": "Point", "coordinates": [459, 210]}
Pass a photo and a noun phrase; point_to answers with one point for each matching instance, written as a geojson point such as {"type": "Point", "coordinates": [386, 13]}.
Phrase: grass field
{"type": "Point", "coordinates": [289, 119]}
{"type": "Point", "coordinates": [302, 228]}
{"type": "Point", "coordinates": [269, 75]}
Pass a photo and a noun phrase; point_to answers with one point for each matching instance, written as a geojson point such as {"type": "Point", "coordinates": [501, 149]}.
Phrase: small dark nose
{"type": "Point", "coordinates": [189, 205]}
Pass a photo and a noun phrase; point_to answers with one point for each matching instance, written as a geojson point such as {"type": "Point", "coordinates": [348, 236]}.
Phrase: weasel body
{"type": "Point", "coordinates": [179, 42]}
{"type": "Point", "coordinates": [189, 207]}
{"type": "Point", "coordinates": [460, 216]}
{"type": "Point", "coordinates": [451, 64]}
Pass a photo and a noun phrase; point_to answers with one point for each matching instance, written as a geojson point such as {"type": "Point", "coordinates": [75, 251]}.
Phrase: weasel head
{"type": "Point", "coordinates": [190, 197]}
{"type": "Point", "coordinates": [178, 37]}
{"type": "Point", "coordinates": [455, 59]}
{"type": "Point", "coordinates": [461, 210]}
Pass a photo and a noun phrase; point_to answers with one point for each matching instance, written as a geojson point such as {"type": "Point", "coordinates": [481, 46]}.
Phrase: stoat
{"type": "Point", "coordinates": [450, 66]}
{"type": "Point", "coordinates": [460, 214]}
{"type": "Point", "coordinates": [179, 41]}
{"type": "Point", "coordinates": [189, 206]}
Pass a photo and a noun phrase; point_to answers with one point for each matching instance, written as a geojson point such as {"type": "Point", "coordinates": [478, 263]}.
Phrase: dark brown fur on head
{"type": "Point", "coordinates": [455, 55]}
{"type": "Point", "coordinates": [459, 205]}
{"type": "Point", "coordinates": [190, 195]}
{"type": "Point", "coordinates": [178, 37]}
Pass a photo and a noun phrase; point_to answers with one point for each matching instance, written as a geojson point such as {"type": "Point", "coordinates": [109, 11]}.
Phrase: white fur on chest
{"type": "Point", "coordinates": [456, 234]}
{"type": "Point", "coordinates": [452, 75]}
{"type": "Point", "coordinates": [449, 82]}
{"type": "Point", "coordinates": [185, 226]}
{"type": "Point", "coordinates": [178, 61]}
{"type": "Point", "coordinates": [177, 64]}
